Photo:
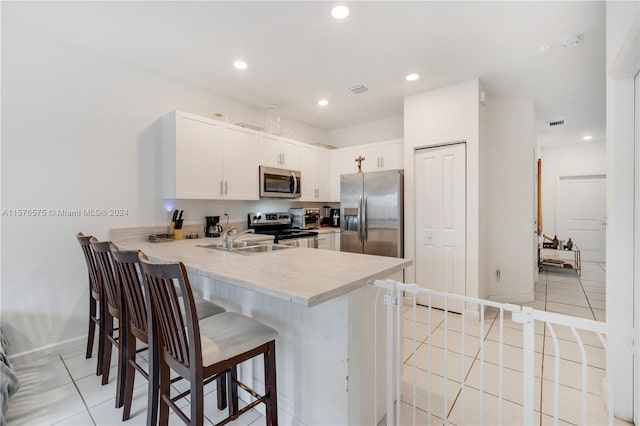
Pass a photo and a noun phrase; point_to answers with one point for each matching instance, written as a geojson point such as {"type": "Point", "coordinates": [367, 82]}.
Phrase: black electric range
{"type": "Point", "coordinates": [277, 224]}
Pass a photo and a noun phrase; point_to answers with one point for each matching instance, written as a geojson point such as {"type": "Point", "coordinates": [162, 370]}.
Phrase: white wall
{"type": "Point", "coordinates": [569, 160]}
{"type": "Point", "coordinates": [508, 188]}
{"type": "Point", "coordinates": [441, 116]}
{"type": "Point", "coordinates": [81, 131]}
{"type": "Point", "coordinates": [623, 63]}
{"type": "Point", "coordinates": [374, 131]}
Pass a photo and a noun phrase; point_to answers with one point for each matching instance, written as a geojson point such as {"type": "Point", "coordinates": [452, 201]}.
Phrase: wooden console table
{"type": "Point", "coordinates": [553, 258]}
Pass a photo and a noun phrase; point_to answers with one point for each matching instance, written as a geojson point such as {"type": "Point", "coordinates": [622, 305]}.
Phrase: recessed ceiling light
{"type": "Point", "coordinates": [412, 77]}
{"type": "Point", "coordinates": [572, 41]}
{"type": "Point", "coordinates": [241, 65]}
{"type": "Point", "coordinates": [323, 102]}
{"type": "Point", "coordinates": [587, 138]}
{"type": "Point", "coordinates": [340, 12]}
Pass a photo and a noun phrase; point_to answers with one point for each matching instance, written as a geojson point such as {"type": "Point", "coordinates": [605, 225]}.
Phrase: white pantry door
{"type": "Point", "coordinates": [580, 214]}
{"type": "Point", "coordinates": [440, 182]}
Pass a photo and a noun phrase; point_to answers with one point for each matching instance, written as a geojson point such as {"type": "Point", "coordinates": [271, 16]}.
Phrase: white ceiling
{"type": "Point", "coordinates": [297, 53]}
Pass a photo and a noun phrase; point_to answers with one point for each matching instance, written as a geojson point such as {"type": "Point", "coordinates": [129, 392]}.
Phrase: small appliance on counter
{"type": "Point", "coordinates": [305, 218]}
{"type": "Point", "coordinates": [212, 227]}
{"type": "Point", "coordinates": [278, 224]}
{"type": "Point", "coordinates": [335, 218]}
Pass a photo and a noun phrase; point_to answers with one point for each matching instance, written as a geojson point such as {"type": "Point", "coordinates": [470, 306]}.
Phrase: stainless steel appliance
{"type": "Point", "coordinates": [305, 218]}
{"type": "Point", "coordinates": [279, 183]}
{"type": "Point", "coordinates": [278, 224]}
{"type": "Point", "coordinates": [371, 213]}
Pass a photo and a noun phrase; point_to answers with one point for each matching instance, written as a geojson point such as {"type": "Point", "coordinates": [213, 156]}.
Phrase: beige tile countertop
{"type": "Point", "coordinates": [303, 276]}
{"type": "Point", "coordinates": [326, 230]}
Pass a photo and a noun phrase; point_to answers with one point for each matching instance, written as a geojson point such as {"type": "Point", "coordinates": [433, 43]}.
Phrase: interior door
{"type": "Point", "coordinates": [636, 274]}
{"type": "Point", "coordinates": [440, 176]}
{"type": "Point", "coordinates": [581, 214]}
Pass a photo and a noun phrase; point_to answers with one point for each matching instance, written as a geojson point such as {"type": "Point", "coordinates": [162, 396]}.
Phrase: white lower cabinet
{"type": "Point", "coordinates": [325, 241]}
{"type": "Point", "coordinates": [336, 241]}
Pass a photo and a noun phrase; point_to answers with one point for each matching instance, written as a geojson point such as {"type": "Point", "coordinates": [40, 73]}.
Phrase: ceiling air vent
{"type": "Point", "coordinates": [556, 123]}
{"type": "Point", "coordinates": [358, 88]}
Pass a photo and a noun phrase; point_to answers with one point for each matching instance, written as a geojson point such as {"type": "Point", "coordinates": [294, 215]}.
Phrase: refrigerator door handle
{"type": "Point", "coordinates": [359, 228]}
{"type": "Point", "coordinates": [365, 234]}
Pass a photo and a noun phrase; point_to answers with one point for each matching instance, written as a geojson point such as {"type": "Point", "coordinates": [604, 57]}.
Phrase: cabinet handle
{"type": "Point", "coordinates": [283, 158]}
{"type": "Point", "coordinates": [221, 191]}
{"type": "Point", "coordinates": [226, 185]}
{"type": "Point", "coordinates": [378, 162]}
{"type": "Point", "coordinates": [381, 161]}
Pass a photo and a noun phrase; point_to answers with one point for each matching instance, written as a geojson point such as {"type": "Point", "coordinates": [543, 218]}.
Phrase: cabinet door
{"type": "Point", "coordinates": [241, 158]}
{"type": "Point", "coordinates": [290, 151]}
{"type": "Point", "coordinates": [308, 188]}
{"type": "Point", "coordinates": [392, 155]}
{"type": "Point", "coordinates": [342, 162]}
{"type": "Point", "coordinates": [197, 147]}
{"type": "Point", "coordinates": [324, 241]}
{"type": "Point", "coordinates": [322, 172]}
{"type": "Point", "coordinates": [269, 150]}
{"type": "Point", "coordinates": [371, 153]}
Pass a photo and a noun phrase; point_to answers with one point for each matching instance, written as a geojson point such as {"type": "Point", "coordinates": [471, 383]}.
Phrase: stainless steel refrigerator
{"type": "Point", "coordinates": [372, 212]}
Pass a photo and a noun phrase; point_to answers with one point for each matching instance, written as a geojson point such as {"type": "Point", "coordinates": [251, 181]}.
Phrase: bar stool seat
{"type": "Point", "coordinates": [229, 334]}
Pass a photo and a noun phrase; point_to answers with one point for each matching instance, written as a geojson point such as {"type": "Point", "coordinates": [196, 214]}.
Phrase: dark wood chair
{"type": "Point", "coordinates": [113, 310]}
{"type": "Point", "coordinates": [96, 304]}
{"type": "Point", "coordinates": [203, 350]}
{"type": "Point", "coordinates": [129, 274]}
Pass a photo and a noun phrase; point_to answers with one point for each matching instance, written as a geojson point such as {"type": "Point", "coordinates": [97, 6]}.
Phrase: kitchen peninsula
{"type": "Point", "coordinates": [323, 310]}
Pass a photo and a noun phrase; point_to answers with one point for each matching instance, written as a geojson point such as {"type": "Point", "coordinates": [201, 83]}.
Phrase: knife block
{"type": "Point", "coordinates": [178, 234]}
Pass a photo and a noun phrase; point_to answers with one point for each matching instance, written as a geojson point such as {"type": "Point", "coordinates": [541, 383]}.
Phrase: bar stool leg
{"type": "Point", "coordinates": [270, 384]}
{"type": "Point", "coordinates": [92, 326]}
{"type": "Point", "coordinates": [221, 388]}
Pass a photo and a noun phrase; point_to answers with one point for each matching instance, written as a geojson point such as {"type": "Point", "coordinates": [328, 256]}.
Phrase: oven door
{"type": "Point", "coordinates": [309, 242]}
{"type": "Point", "coordinates": [279, 183]}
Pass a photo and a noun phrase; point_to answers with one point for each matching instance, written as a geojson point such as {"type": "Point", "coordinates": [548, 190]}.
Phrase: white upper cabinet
{"type": "Point", "coordinates": [205, 159]}
{"type": "Point", "coordinates": [191, 157]}
{"type": "Point", "coordinates": [315, 169]}
{"type": "Point", "coordinates": [385, 155]}
{"type": "Point", "coordinates": [241, 160]}
{"type": "Point", "coordinates": [342, 162]}
{"type": "Point", "coordinates": [279, 152]}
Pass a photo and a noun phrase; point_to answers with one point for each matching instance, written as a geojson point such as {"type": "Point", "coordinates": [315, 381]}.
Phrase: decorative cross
{"type": "Point", "coordinates": [359, 160]}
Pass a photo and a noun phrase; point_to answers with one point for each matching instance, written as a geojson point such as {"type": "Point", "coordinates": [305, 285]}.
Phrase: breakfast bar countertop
{"type": "Point", "coordinates": [304, 276]}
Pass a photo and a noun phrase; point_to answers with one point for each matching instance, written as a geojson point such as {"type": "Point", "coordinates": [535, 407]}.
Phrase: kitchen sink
{"type": "Point", "coordinates": [236, 245]}
{"type": "Point", "coordinates": [247, 247]}
{"type": "Point", "coordinates": [263, 248]}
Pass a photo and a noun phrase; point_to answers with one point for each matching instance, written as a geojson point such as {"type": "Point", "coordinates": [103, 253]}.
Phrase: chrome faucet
{"type": "Point", "coordinates": [229, 236]}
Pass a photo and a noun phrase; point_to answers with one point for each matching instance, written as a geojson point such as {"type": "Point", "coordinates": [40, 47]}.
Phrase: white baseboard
{"type": "Point", "coordinates": [32, 355]}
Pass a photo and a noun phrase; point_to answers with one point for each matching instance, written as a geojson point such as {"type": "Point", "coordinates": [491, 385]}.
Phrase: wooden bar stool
{"type": "Point", "coordinates": [129, 274]}
{"type": "Point", "coordinates": [202, 350]}
{"type": "Point", "coordinates": [96, 304]}
{"type": "Point", "coordinates": [113, 310]}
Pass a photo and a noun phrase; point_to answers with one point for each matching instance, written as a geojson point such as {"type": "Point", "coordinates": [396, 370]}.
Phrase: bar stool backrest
{"type": "Point", "coordinates": [129, 272]}
{"type": "Point", "coordinates": [92, 266]}
{"type": "Point", "coordinates": [104, 259]}
{"type": "Point", "coordinates": [180, 343]}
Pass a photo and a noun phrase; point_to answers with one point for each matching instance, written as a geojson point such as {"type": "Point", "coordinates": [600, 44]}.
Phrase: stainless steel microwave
{"type": "Point", "coordinates": [279, 183]}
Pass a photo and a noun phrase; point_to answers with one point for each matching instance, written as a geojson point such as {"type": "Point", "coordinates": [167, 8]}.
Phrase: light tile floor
{"type": "Point", "coordinates": [63, 389]}
{"type": "Point", "coordinates": [560, 291]}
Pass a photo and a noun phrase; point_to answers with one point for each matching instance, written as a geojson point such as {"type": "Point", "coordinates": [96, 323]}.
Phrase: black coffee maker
{"type": "Point", "coordinates": [212, 229]}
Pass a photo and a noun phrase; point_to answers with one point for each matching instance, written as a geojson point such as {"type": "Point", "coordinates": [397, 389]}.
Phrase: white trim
{"type": "Point", "coordinates": [54, 348]}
